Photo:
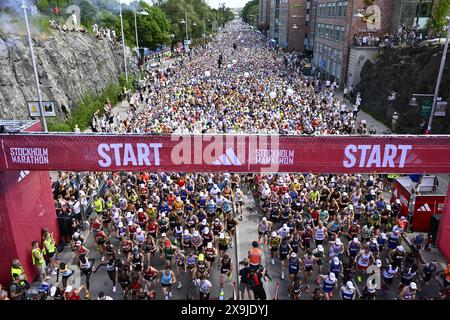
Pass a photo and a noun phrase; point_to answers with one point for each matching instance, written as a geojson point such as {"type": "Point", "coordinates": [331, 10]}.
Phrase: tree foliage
{"type": "Point", "coordinates": [438, 20]}
{"type": "Point", "coordinates": [250, 12]}
{"type": "Point", "coordinates": [164, 18]}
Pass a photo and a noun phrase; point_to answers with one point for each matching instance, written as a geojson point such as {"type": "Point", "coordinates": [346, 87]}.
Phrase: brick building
{"type": "Point", "coordinates": [335, 26]}
{"type": "Point", "coordinates": [289, 23]}
{"type": "Point", "coordinates": [264, 16]}
{"type": "Point", "coordinates": [298, 24]}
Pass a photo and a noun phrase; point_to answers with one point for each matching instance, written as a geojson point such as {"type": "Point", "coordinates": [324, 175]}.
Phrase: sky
{"type": "Point", "coordinates": [214, 3]}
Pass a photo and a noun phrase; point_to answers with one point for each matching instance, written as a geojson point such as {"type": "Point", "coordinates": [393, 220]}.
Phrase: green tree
{"type": "Point", "coordinates": [438, 20]}
{"type": "Point", "coordinates": [250, 12]}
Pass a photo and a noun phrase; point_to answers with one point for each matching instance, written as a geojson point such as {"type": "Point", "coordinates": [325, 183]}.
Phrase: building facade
{"type": "Point", "coordinates": [264, 16]}
{"type": "Point", "coordinates": [335, 28]}
{"type": "Point", "coordinates": [290, 23]}
{"type": "Point", "coordinates": [298, 27]}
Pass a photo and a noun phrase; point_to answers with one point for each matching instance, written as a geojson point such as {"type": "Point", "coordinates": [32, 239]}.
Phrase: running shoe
{"type": "Point", "coordinates": [307, 288]}
{"type": "Point", "coordinates": [103, 259]}
{"type": "Point", "coordinates": [54, 273]}
{"type": "Point", "coordinates": [179, 285]}
{"type": "Point", "coordinates": [272, 260]}
{"type": "Point", "coordinates": [114, 289]}
{"type": "Point", "coordinates": [282, 276]}
{"type": "Point", "coordinates": [170, 295]}
{"type": "Point", "coordinates": [167, 297]}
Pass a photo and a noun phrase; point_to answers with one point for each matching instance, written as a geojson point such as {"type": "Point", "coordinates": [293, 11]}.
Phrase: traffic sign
{"type": "Point", "coordinates": [426, 108]}
{"type": "Point", "coordinates": [441, 108]}
{"type": "Point", "coordinates": [49, 108]}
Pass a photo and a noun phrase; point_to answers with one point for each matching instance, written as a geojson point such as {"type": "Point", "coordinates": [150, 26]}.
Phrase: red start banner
{"type": "Point", "coordinates": [225, 153]}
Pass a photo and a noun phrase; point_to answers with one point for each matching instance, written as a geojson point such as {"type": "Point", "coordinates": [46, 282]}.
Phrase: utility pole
{"type": "Point", "coordinates": [33, 61]}
{"type": "Point", "coordinates": [123, 42]}
{"type": "Point", "coordinates": [439, 79]}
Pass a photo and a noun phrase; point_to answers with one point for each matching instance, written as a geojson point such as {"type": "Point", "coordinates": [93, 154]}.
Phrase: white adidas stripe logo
{"type": "Point", "coordinates": [22, 175]}
{"type": "Point", "coordinates": [424, 208]}
{"type": "Point", "coordinates": [228, 159]}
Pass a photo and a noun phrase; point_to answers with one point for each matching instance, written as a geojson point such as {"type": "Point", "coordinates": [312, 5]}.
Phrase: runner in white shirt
{"type": "Point", "coordinates": [204, 287]}
{"type": "Point", "coordinates": [239, 200]}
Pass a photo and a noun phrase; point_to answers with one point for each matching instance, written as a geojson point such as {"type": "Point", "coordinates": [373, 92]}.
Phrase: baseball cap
{"type": "Point", "coordinates": [320, 248]}
{"type": "Point", "coordinates": [141, 210]}
{"type": "Point", "coordinates": [221, 235]}
{"type": "Point", "coordinates": [138, 230]}
{"type": "Point", "coordinates": [209, 245]}
{"type": "Point", "coordinates": [274, 234]}
{"type": "Point", "coordinates": [372, 192]}
{"type": "Point", "coordinates": [130, 223]}
{"type": "Point", "coordinates": [78, 243]}
{"type": "Point", "coordinates": [383, 235]}
{"type": "Point", "coordinates": [186, 232]}
{"type": "Point", "coordinates": [204, 222]}
{"type": "Point", "coordinates": [201, 257]}
{"type": "Point", "coordinates": [400, 248]}
{"type": "Point", "coordinates": [195, 233]}
{"type": "Point", "coordinates": [293, 255]}
{"type": "Point", "coordinates": [335, 260]}
{"type": "Point", "coordinates": [264, 219]}
{"type": "Point", "coordinates": [413, 285]}
{"type": "Point", "coordinates": [338, 241]}
{"type": "Point", "coordinates": [206, 230]}
{"type": "Point", "coordinates": [355, 240]}
{"type": "Point", "coordinates": [398, 201]}
{"type": "Point", "coordinates": [332, 276]}
{"type": "Point", "coordinates": [69, 288]}
{"type": "Point", "coordinates": [163, 234]}
{"type": "Point", "coordinates": [349, 284]}
{"type": "Point", "coordinates": [167, 243]}
{"type": "Point", "coordinates": [388, 207]}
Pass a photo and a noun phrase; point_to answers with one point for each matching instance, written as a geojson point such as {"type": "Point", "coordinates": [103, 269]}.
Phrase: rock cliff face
{"type": "Point", "coordinates": [69, 66]}
{"type": "Point", "coordinates": [405, 71]}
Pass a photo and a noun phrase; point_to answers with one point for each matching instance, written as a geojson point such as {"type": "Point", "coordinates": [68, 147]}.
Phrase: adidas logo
{"type": "Point", "coordinates": [228, 159]}
{"type": "Point", "coordinates": [22, 175]}
{"type": "Point", "coordinates": [424, 208]}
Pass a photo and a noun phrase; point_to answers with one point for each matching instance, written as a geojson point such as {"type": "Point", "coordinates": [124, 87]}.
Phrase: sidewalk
{"type": "Point", "coordinates": [381, 127]}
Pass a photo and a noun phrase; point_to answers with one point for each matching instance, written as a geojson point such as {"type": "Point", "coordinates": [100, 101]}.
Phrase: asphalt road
{"type": "Point", "coordinates": [247, 232]}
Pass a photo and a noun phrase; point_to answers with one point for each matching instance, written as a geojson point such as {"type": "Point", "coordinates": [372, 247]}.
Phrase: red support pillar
{"type": "Point", "coordinates": [443, 238]}
{"type": "Point", "coordinates": [26, 206]}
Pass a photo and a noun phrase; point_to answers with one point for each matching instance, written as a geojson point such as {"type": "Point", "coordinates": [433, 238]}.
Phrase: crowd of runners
{"type": "Point", "coordinates": [154, 233]}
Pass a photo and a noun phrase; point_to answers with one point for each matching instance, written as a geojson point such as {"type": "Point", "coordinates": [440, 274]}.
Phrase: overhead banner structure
{"type": "Point", "coordinates": [229, 153]}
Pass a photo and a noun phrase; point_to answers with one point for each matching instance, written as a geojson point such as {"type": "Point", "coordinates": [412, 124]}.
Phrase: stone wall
{"type": "Point", "coordinates": [69, 66]}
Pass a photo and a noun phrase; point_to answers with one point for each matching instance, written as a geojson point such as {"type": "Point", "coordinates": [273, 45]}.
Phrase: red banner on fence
{"type": "Point", "coordinates": [229, 153]}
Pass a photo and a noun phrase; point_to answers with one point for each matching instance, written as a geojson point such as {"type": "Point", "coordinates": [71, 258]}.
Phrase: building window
{"type": "Point", "coordinates": [341, 9]}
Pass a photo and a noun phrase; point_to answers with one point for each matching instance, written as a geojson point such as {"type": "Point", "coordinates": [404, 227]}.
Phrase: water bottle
{"type": "Point", "coordinates": [222, 295]}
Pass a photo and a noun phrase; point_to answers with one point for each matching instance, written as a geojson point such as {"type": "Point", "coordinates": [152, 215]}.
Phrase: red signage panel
{"type": "Point", "coordinates": [231, 153]}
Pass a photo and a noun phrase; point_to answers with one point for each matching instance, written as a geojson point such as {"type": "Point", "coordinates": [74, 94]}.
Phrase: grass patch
{"type": "Point", "coordinates": [92, 102]}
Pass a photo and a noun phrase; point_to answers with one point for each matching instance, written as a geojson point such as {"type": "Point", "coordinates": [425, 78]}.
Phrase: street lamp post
{"type": "Point", "coordinates": [123, 42]}
{"type": "Point", "coordinates": [439, 79]}
{"type": "Point", "coordinates": [33, 61]}
{"type": "Point", "coordinates": [187, 36]}
{"type": "Point", "coordinates": [141, 13]}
